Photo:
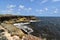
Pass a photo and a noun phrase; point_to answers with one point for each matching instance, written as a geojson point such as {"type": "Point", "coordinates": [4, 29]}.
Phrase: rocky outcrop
{"type": "Point", "coordinates": [31, 37]}
{"type": "Point", "coordinates": [12, 29]}
{"type": "Point", "coordinates": [10, 32]}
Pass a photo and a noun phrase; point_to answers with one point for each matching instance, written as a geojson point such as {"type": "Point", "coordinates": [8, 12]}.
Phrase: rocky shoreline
{"type": "Point", "coordinates": [10, 32]}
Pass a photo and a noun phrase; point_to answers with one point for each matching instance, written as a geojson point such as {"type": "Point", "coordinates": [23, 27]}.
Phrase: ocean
{"type": "Point", "coordinates": [48, 27]}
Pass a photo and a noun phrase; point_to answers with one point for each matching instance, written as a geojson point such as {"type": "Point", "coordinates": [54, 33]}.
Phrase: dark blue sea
{"type": "Point", "coordinates": [48, 27]}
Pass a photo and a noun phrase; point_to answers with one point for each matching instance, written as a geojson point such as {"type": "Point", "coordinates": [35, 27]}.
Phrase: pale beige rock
{"type": "Point", "coordinates": [15, 38]}
{"type": "Point", "coordinates": [13, 30]}
{"type": "Point", "coordinates": [30, 37]}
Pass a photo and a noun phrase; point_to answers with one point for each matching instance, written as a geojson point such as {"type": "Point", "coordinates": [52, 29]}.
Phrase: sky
{"type": "Point", "coordinates": [30, 7]}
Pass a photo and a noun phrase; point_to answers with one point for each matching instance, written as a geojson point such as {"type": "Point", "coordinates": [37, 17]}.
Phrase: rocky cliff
{"type": "Point", "coordinates": [10, 32]}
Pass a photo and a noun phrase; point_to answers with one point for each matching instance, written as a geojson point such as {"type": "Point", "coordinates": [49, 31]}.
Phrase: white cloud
{"type": "Point", "coordinates": [9, 9]}
{"type": "Point", "coordinates": [31, 0]}
{"type": "Point", "coordinates": [18, 13]}
{"type": "Point", "coordinates": [40, 11]}
{"type": "Point", "coordinates": [56, 11]}
{"type": "Point", "coordinates": [24, 8]}
{"type": "Point", "coordinates": [46, 9]}
{"type": "Point", "coordinates": [6, 11]}
{"type": "Point", "coordinates": [19, 9]}
{"type": "Point", "coordinates": [21, 6]}
{"type": "Point", "coordinates": [55, 0]}
{"type": "Point", "coordinates": [29, 8]}
{"type": "Point", "coordinates": [44, 1]}
{"type": "Point", "coordinates": [11, 6]}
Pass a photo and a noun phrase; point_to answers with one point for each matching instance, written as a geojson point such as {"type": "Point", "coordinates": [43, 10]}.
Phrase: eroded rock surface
{"type": "Point", "coordinates": [10, 32]}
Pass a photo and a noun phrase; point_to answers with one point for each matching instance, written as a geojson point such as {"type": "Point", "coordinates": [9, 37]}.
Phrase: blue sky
{"type": "Point", "coordinates": [30, 7]}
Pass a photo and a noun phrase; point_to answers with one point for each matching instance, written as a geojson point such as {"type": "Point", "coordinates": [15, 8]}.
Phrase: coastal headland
{"type": "Point", "coordinates": [10, 32]}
